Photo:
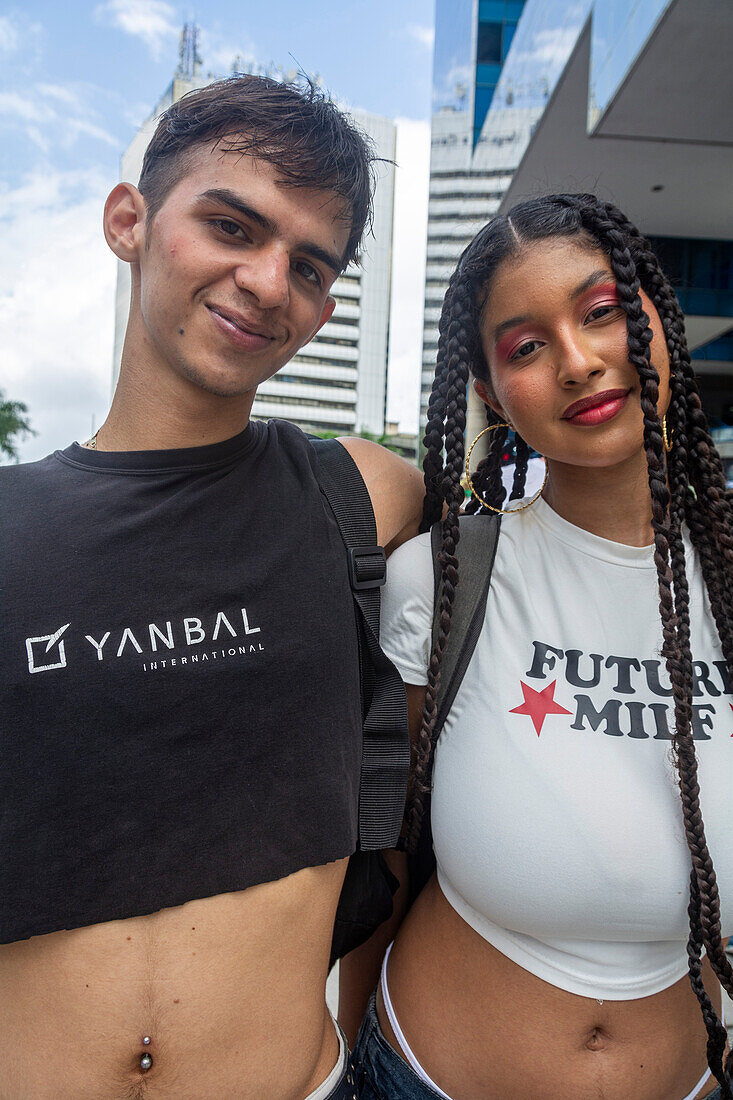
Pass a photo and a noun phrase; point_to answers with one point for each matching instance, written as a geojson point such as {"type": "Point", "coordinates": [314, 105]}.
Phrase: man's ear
{"type": "Point", "coordinates": [328, 307]}
{"type": "Point", "coordinates": [124, 222]}
{"type": "Point", "coordinates": [484, 392]}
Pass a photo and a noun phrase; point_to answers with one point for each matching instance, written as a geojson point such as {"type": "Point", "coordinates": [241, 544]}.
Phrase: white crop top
{"type": "Point", "coordinates": [556, 816]}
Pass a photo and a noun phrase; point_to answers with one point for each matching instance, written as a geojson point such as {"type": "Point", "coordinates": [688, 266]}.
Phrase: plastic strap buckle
{"type": "Point", "coordinates": [367, 567]}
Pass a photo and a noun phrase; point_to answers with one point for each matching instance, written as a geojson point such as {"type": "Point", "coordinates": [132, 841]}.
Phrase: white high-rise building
{"type": "Point", "coordinates": [482, 122]}
{"type": "Point", "coordinates": [338, 382]}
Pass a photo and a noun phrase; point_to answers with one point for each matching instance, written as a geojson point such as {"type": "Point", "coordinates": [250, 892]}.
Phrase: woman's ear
{"type": "Point", "coordinates": [484, 392]}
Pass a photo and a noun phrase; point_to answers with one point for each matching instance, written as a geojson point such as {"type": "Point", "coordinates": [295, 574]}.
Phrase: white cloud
{"type": "Point", "coordinates": [219, 51]}
{"type": "Point", "coordinates": [9, 36]}
{"type": "Point", "coordinates": [54, 115]}
{"type": "Point", "coordinates": [78, 126]}
{"type": "Point", "coordinates": [425, 35]}
{"type": "Point", "coordinates": [63, 94]}
{"type": "Point", "coordinates": [408, 272]}
{"type": "Point", "coordinates": [153, 21]}
{"type": "Point", "coordinates": [21, 38]}
{"type": "Point", "coordinates": [36, 138]}
{"type": "Point", "coordinates": [56, 305]}
{"type": "Point", "coordinates": [22, 107]}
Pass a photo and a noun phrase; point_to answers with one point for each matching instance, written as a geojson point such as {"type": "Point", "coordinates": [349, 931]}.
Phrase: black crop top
{"type": "Point", "coordinates": [179, 682]}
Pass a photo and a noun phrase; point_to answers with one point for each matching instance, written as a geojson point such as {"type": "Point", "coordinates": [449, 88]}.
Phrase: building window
{"type": "Point", "coordinates": [308, 380]}
{"type": "Point", "coordinates": [331, 361]}
{"type": "Point", "coordinates": [328, 340]}
{"type": "Point", "coordinates": [489, 44]}
{"type": "Point", "coordinates": [309, 402]}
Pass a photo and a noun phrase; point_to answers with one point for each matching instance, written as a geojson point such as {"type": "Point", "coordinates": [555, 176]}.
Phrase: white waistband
{"type": "Point", "coordinates": [327, 1086]}
{"type": "Point", "coordinates": [703, 1081]}
{"type": "Point", "coordinates": [413, 1062]}
{"type": "Point", "coordinates": [404, 1045]}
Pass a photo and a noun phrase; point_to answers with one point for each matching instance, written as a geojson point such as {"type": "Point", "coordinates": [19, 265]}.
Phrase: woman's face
{"type": "Point", "coordinates": [554, 336]}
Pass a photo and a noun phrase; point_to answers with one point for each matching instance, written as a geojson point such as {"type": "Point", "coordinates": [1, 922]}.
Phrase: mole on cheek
{"type": "Point", "coordinates": [180, 332]}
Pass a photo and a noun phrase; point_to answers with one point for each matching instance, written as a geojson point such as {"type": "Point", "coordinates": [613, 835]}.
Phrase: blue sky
{"type": "Point", "coordinates": [76, 80]}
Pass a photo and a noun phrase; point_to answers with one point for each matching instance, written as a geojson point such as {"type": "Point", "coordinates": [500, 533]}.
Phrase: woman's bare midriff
{"type": "Point", "coordinates": [229, 990]}
{"type": "Point", "coordinates": [482, 1026]}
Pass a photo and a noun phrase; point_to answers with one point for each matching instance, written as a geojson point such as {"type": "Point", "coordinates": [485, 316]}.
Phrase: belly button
{"type": "Point", "coordinates": [595, 1040]}
{"type": "Point", "coordinates": [146, 1059]}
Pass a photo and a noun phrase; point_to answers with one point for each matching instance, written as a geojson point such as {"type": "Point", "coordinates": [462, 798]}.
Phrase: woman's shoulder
{"type": "Point", "coordinates": [416, 554]}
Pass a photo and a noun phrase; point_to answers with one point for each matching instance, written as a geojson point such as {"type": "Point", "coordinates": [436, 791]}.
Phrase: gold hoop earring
{"type": "Point", "coordinates": [666, 439]}
{"type": "Point", "coordinates": [480, 499]}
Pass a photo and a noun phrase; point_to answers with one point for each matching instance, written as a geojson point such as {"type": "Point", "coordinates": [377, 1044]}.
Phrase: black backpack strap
{"type": "Point", "coordinates": [476, 551]}
{"type": "Point", "coordinates": [386, 750]}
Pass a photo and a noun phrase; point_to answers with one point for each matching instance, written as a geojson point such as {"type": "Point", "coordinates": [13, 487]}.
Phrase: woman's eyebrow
{"type": "Point", "coordinates": [504, 326]}
{"type": "Point", "coordinates": [592, 280]}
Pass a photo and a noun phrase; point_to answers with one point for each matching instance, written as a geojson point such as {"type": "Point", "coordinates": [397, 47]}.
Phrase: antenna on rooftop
{"type": "Point", "coordinates": [189, 61]}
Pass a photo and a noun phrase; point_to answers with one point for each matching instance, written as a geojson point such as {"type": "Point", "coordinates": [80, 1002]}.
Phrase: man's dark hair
{"type": "Point", "coordinates": [294, 127]}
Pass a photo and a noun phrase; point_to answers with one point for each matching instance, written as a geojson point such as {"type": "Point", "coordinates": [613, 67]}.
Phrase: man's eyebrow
{"type": "Point", "coordinates": [330, 259]}
{"type": "Point", "coordinates": [231, 199]}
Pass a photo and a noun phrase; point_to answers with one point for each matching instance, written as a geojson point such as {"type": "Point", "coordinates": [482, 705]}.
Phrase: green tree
{"type": "Point", "coordinates": [14, 425]}
{"type": "Point", "coordinates": [383, 440]}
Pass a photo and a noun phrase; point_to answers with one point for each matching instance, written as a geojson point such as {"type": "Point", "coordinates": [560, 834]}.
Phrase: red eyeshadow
{"type": "Point", "coordinates": [509, 343]}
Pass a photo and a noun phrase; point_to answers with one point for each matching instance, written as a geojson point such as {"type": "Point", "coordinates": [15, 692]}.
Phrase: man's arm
{"type": "Point", "coordinates": [395, 486]}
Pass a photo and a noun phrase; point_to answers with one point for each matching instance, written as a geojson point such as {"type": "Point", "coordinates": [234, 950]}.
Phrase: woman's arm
{"type": "Point", "coordinates": [359, 970]}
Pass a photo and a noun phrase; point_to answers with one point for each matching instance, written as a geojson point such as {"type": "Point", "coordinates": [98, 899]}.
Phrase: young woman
{"type": "Point", "coordinates": [570, 946]}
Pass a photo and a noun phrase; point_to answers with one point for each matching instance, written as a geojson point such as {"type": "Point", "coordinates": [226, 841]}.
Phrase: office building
{"type": "Point", "coordinates": [625, 98]}
{"type": "Point", "coordinates": [338, 382]}
{"type": "Point", "coordinates": [640, 115]}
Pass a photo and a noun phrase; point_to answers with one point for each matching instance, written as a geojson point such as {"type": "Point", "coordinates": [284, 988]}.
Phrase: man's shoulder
{"type": "Point", "coordinates": [395, 486]}
{"type": "Point", "coordinates": [39, 472]}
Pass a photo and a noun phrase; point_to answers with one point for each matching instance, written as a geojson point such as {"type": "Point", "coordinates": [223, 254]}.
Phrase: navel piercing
{"type": "Point", "coordinates": [146, 1062]}
{"type": "Point", "coordinates": [600, 1002]}
{"type": "Point", "coordinates": [147, 1040]}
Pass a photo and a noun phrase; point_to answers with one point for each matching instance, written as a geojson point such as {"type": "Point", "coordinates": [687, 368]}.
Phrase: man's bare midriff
{"type": "Point", "coordinates": [229, 990]}
{"type": "Point", "coordinates": [482, 1026]}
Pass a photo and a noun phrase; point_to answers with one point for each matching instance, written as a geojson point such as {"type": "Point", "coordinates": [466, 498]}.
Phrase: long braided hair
{"type": "Point", "coordinates": [687, 488]}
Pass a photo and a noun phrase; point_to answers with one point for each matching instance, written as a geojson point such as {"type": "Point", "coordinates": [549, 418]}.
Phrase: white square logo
{"type": "Point", "coordinates": [48, 657]}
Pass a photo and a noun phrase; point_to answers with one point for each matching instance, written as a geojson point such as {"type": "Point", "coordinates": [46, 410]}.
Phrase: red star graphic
{"type": "Point", "coordinates": [538, 704]}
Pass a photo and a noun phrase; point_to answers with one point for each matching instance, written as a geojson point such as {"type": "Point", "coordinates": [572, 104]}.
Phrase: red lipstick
{"type": "Point", "coordinates": [596, 409]}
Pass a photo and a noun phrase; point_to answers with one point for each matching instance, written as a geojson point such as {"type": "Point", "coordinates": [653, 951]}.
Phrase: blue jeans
{"type": "Point", "coordinates": [345, 1089]}
{"type": "Point", "coordinates": [382, 1075]}
{"type": "Point", "coordinates": [380, 1072]}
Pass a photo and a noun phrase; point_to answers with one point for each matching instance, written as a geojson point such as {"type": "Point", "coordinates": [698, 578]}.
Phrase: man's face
{"type": "Point", "coordinates": [235, 272]}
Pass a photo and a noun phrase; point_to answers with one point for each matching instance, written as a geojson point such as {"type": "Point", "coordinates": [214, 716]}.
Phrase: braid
{"type": "Point", "coordinates": [521, 452]}
{"type": "Point", "coordinates": [452, 381]}
{"type": "Point", "coordinates": [434, 431]}
{"type": "Point", "coordinates": [669, 556]}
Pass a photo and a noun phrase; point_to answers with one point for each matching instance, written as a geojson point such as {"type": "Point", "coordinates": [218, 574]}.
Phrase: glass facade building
{"type": "Point", "coordinates": [626, 98]}
{"type": "Point", "coordinates": [495, 63]}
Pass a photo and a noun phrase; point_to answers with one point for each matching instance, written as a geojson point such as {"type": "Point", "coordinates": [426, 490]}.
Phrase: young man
{"type": "Point", "coordinates": [179, 767]}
